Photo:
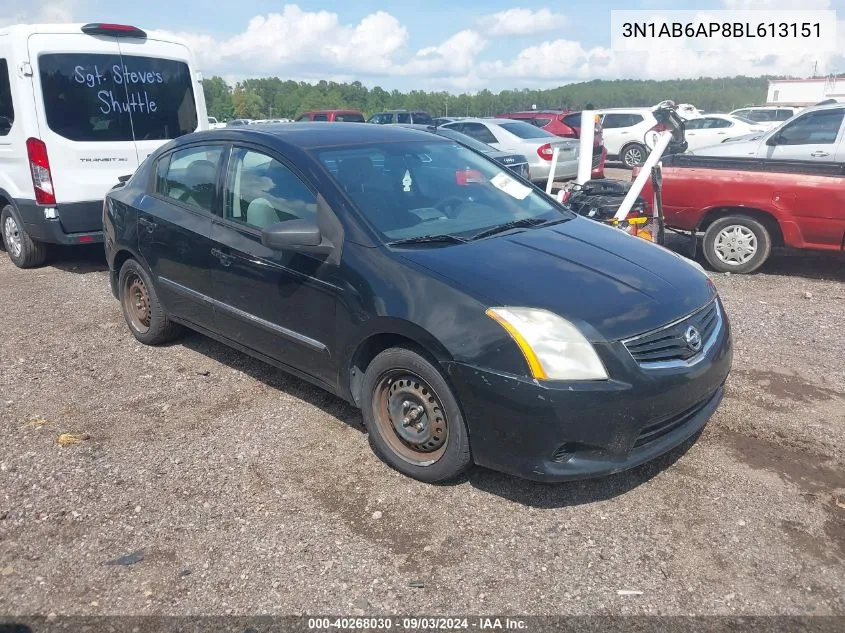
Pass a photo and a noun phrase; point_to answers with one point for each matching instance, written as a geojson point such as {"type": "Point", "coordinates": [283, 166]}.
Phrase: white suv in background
{"type": "Point", "coordinates": [624, 131]}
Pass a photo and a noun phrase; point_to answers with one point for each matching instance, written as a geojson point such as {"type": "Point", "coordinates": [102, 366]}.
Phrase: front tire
{"type": "Point", "coordinates": [412, 416]}
{"type": "Point", "coordinates": [141, 308]}
{"type": "Point", "coordinates": [737, 244]}
{"type": "Point", "coordinates": [634, 155]}
{"type": "Point", "coordinates": [22, 249]}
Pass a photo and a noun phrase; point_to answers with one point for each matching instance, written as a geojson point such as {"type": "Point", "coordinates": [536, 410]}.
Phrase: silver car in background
{"type": "Point", "coordinates": [519, 137]}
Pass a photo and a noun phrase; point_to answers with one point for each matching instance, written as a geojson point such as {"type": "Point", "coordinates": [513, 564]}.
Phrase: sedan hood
{"type": "Point", "coordinates": [610, 284]}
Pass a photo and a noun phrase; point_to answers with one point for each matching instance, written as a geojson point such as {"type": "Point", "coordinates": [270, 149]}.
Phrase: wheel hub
{"type": "Point", "coordinates": [139, 302]}
{"type": "Point", "coordinates": [12, 235]}
{"type": "Point", "coordinates": [415, 414]}
{"type": "Point", "coordinates": [735, 245]}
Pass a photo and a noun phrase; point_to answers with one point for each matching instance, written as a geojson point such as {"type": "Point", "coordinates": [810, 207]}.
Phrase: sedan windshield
{"type": "Point", "coordinates": [425, 189]}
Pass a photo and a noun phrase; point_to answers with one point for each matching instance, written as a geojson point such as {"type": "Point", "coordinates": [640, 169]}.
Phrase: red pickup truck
{"type": "Point", "coordinates": [740, 208]}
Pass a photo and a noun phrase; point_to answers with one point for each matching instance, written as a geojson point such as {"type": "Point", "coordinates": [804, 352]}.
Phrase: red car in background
{"type": "Point", "coordinates": [331, 116]}
{"type": "Point", "coordinates": [566, 124]}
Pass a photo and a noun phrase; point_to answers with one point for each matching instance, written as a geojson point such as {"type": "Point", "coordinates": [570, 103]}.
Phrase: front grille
{"type": "Point", "coordinates": [670, 345]}
{"type": "Point", "coordinates": [656, 430]}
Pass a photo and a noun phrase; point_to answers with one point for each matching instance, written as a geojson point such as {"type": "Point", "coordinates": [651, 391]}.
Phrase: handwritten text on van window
{"type": "Point", "coordinates": [133, 102]}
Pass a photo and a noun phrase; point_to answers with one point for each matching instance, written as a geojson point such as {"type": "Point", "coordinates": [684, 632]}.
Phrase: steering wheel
{"type": "Point", "coordinates": [449, 211]}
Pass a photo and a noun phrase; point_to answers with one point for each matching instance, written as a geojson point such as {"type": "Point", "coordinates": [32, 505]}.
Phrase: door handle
{"type": "Point", "coordinates": [820, 154]}
{"type": "Point", "coordinates": [147, 224]}
{"type": "Point", "coordinates": [225, 260]}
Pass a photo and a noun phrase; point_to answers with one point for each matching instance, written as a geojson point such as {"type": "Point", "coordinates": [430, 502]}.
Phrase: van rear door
{"type": "Point", "coordinates": [161, 82]}
{"type": "Point", "coordinates": [79, 103]}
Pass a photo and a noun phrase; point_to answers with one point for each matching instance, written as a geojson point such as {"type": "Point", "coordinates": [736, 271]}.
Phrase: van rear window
{"type": "Point", "coordinates": [99, 97]}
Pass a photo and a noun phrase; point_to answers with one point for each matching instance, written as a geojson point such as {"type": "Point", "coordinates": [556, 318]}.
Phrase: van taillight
{"type": "Point", "coordinates": [545, 151]}
{"type": "Point", "coordinates": [39, 167]}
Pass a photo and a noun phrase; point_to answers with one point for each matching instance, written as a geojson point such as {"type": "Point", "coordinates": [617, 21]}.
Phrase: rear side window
{"type": "Point", "coordinates": [422, 118]}
{"type": "Point", "coordinates": [479, 132]}
{"type": "Point", "coordinates": [404, 117]}
{"type": "Point", "coordinates": [783, 115]}
{"type": "Point", "coordinates": [542, 122]}
{"type": "Point", "coordinates": [320, 117]}
{"type": "Point", "coordinates": [191, 176]}
{"type": "Point", "coordinates": [524, 130]}
{"type": "Point", "coordinates": [573, 120]}
{"type": "Point", "coordinates": [619, 119]}
{"type": "Point", "coordinates": [7, 112]}
{"type": "Point", "coordinates": [99, 97]}
{"type": "Point", "coordinates": [349, 117]}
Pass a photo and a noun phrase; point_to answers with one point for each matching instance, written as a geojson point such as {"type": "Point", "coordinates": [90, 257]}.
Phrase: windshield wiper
{"type": "Point", "coordinates": [507, 226]}
{"type": "Point", "coordinates": [429, 239]}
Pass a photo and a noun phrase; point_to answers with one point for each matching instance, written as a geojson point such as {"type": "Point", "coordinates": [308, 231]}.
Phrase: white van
{"type": "Point", "coordinates": [81, 106]}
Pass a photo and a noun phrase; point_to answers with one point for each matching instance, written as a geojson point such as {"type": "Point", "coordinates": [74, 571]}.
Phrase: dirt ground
{"type": "Point", "coordinates": [205, 482]}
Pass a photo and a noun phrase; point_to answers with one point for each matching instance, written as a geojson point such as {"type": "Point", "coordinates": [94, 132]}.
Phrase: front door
{"type": "Point", "coordinates": [174, 230]}
{"type": "Point", "coordinates": [814, 136]}
{"type": "Point", "coordinates": [279, 303]}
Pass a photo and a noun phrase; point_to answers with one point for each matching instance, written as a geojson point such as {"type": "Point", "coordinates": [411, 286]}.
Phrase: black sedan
{"type": "Point", "coordinates": [469, 316]}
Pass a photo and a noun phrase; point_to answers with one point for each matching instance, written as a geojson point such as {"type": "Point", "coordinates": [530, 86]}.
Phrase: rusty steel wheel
{"type": "Point", "coordinates": [136, 301]}
{"type": "Point", "coordinates": [410, 417]}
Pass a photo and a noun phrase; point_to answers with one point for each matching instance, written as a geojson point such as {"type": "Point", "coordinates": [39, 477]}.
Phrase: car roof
{"type": "Point", "coordinates": [310, 135]}
{"type": "Point", "coordinates": [338, 111]}
{"type": "Point", "coordinates": [530, 112]}
{"type": "Point", "coordinates": [75, 28]}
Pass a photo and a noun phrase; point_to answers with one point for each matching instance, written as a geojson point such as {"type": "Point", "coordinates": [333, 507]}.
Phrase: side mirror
{"type": "Point", "coordinates": [773, 140]}
{"type": "Point", "coordinates": [297, 235]}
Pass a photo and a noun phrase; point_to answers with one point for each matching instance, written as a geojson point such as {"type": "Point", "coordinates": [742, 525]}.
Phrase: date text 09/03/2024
{"type": "Point", "coordinates": [416, 624]}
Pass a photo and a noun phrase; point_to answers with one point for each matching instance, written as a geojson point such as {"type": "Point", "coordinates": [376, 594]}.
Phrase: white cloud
{"type": "Point", "coordinates": [519, 21]}
{"type": "Point", "coordinates": [36, 11]}
{"type": "Point", "coordinates": [776, 4]}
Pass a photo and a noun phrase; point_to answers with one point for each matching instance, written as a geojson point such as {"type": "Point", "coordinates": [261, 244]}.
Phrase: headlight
{"type": "Point", "coordinates": [553, 348]}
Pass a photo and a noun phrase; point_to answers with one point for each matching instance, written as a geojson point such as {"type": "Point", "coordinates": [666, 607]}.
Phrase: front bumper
{"type": "Point", "coordinates": [77, 222]}
{"type": "Point", "coordinates": [560, 431]}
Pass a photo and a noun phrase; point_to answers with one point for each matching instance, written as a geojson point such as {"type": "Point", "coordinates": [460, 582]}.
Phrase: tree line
{"type": "Point", "coordinates": [271, 97]}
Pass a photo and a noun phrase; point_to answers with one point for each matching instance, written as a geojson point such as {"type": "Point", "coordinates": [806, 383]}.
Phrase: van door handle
{"type": "Point", "coordinates": [225, 260]}
{"type": "Point", "coordinates": [820, 154]}
{"type": "Point", "coordinates": [147, 224]}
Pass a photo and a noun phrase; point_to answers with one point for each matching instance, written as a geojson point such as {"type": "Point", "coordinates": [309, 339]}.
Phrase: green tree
{"type": "Point", "coordinates": [247, 104]}
{"type": "Point", "coordinates": [218, 98]}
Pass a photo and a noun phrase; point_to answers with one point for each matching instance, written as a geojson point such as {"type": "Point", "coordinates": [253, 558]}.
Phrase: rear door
{"type": "Point", "coordinates": [619, 129]}
{"type": "Point", "coordinates": [174, 228]}
{"type": "Point", "coordinates": [162, 92]}
{"type": "Point", "coordinates": [81, 118]}
{"type": "Point", "coordinates": [813, 136]}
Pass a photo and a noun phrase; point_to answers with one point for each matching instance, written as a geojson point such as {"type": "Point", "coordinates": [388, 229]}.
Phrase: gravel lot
{"type": "Point", "coordinates": [247, 491]}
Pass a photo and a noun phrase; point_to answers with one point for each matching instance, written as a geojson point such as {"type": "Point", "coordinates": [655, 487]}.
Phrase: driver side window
{"type": "Point", "coordinates": [261, 191]}
{"type": "Point", "coordinates": [813, 128]}
{"type": "Point", "coordinates": [190, 176]}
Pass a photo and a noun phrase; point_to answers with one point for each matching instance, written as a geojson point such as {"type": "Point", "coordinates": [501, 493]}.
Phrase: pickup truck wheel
{"type": "Point", "coordinates": [737, 244]}
{"type": "Point", "coordinates": [141, 308]}
{"type": "Point", "coordinates": [413, 418]}
{"type": "Point", "coordinates": [22, 249]}
{"type": "Point", "coordinates": [634, 155]}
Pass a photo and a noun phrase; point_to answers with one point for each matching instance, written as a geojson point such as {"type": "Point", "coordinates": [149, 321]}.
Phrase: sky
{"type": "Point", "coordinates": [456, 46]}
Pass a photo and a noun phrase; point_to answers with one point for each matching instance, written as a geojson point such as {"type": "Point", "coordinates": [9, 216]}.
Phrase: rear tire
{"type": "Point", "coordinates": [412, 416]}
{"type": "Point", "coordinates": [141, 308]}
{"type": "Point", "coordinates": [737, 244]}
{"type": "Point", "coordinates": [22, 249]}
{"type": "Point", "coordinates": [634, 155]}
